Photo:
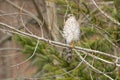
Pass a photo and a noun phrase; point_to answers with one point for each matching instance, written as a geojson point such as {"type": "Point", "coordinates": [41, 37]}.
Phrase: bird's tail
{"type": "Point", "coordinates": [69, 54]}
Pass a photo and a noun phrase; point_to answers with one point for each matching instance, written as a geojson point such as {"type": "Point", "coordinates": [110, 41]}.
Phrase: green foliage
{"type": "Point", "coordinates": [98, 44]}
{"type": "Point", "coordinates": [52, 66]}
{"type": "Point", "coordinates": [74, 5]}
{"type": "Point", "coordinates": [49, 61]}
{"type": "Point", "coordinates": [47, 58]}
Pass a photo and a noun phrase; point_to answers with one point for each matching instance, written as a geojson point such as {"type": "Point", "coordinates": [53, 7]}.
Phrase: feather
{"type": "Point", "coordinates": [71, 33]}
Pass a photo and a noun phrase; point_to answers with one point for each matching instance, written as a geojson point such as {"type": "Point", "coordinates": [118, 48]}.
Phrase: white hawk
{"type": "Point", "coordinates": [71, 33]}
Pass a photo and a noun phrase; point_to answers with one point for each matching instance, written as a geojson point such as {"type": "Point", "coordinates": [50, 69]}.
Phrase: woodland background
{"type": "Point", "coordinates": [31, 42]}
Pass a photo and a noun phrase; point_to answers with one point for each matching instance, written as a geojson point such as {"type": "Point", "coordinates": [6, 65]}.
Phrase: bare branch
{"type": "Point", "coordinates": [105, 14]}
{"type": "Point", "coordinates": [95, 57]}
{"type": "Point", "coordinates": [96, 70]}
{"type": "Point", "coordinates": [56, 43]}
{"type": "Point", "coordinates": [5, 38]}
{"type": "Point", "coordinates": [27, 58]}
{"type": "Point", "coordinates": [4, 49]}
{"type": "Point", "coordinates": [32, 15]}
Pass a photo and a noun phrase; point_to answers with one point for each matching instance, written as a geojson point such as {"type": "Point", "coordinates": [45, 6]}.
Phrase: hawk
{"type": "Point", "coordinates": [71, 33]}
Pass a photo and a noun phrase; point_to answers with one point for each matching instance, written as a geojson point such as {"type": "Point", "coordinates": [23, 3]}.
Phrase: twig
{"type": "Point", "coordinates": [105, 14]}
{"type": "Point", "coordinates": [7, 37]}
{"type": "Point", "coordinates": [67, 72]}
{"type": "Point", "coordinates": [66, 12]}
{"type": "Point", "coordinates": [40, 22]}
{"type": "Point", "coordinates": [40, 16]}
{"type": "Point", "coordinates": [4, 49]}
{"type": "Point", "coordinates": [54, 42]}
{"type": "Point", "coordinates": [68, 4]}
{"type": "Point", "coordinates": [21, 18]}
{"type": "Point", "coordinates": [99, 28]}
{"type": "Point", "coordinates": [95, 57]}
{"type": "Point", "coordinates": [96, 70]}
{"type": "Point", "coordinates": [103, 3]}
{"type": "Point", "coordinates": [27, 58]}
{"type": "Point", "coordinates": [76, 66]}
{"type": "Point", "coordinates": [32, 15]}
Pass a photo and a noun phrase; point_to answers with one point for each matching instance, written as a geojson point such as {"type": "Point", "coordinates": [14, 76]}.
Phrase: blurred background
{"type": "Point", "coordinates": [23, 57]}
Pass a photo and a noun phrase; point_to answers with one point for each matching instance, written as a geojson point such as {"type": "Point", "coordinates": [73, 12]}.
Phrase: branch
{"type": "Point", "coordinates": [32, 15]}
{"type": "Point", "coordinates": [95, 57]}
{"type": "Point", "coordinates": [54, 42]}
{"type": "Point", "coordinates": [27, 58]}
{"type": "Point", "coordinates": [40, 21]}
{"type": "Point", "coordinates": [4, 49]}
{"type": "Point", "coordinates": [96, 70]}
{"type": "Point", "coordinates": [112, 19]}
{"type": "Point", "coordinates": [5, 38]}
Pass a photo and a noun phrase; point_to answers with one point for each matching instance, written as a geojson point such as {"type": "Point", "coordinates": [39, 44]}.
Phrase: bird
{"type": "Point", "coordinates": [71, 33]}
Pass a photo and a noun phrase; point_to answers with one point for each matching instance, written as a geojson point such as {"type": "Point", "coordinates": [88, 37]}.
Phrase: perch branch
{"type": "Point", "coordinates": [56, 43]}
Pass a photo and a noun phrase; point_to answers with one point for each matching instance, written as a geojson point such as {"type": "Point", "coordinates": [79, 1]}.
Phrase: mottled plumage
{"type": "Point", "coordinates": [71, 32]}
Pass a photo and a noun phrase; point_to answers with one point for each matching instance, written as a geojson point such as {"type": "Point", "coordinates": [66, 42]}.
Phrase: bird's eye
{"type": "Point", "coordinates": [69, 15]}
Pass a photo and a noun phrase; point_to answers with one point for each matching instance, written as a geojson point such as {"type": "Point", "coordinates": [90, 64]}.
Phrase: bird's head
{"type": "Point", "coordinates": [69, 15]}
